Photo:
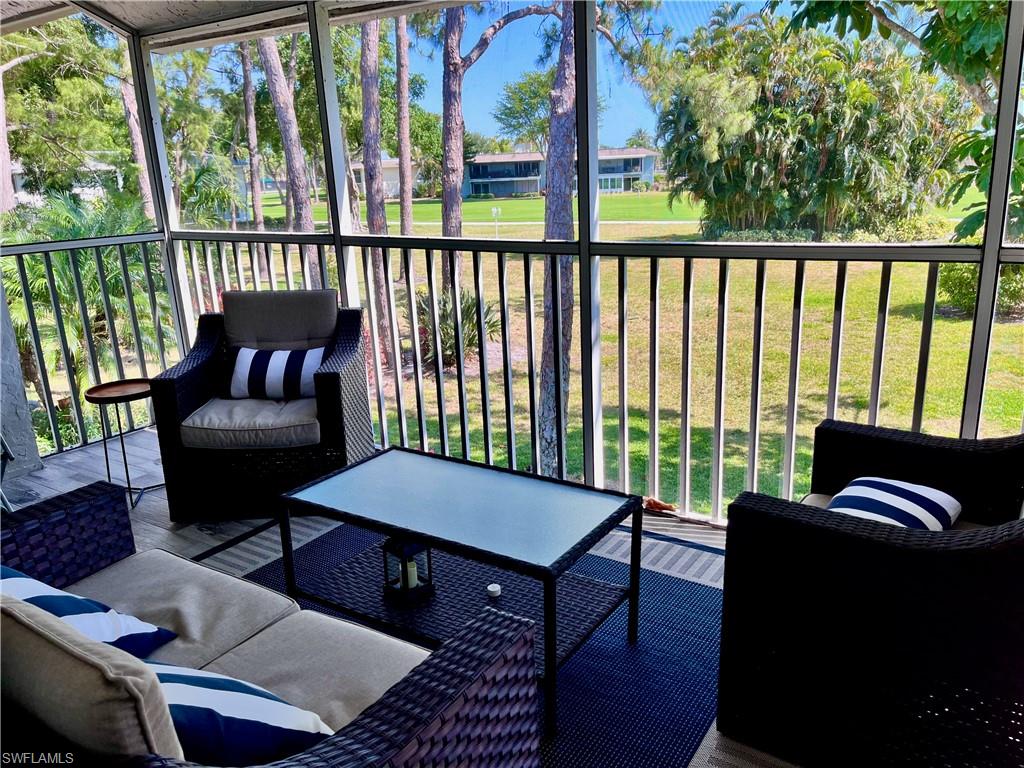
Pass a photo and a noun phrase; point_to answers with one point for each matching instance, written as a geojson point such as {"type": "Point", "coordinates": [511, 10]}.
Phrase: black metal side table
{"type": "Point", "coordinates": [116, 393]}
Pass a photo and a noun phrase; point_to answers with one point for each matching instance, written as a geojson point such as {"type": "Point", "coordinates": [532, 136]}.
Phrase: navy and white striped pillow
{"type": "Point", "coordinates": [90, 617]}
{"type": "Point", "coordinates": [223, 721]}
{"type": "Point", "coordinates": [898, 503]}
{"type": "Point", "coordinates": [280, 374]}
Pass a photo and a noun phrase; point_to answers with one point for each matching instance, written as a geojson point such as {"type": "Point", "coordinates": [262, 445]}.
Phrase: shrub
{"type": "Point", "coordinates": [913, 229]}
{"type": "Point", "coordinates": [526, 195]}
{"type": "Point", "coordinates": [958, 286]}
{"type": "Point", "coordinates": [767, 236]}
{"type": "Point", "coordinates": [482, 196]}
{"type": "Point", "coordinates": [641, 186]}
{"type": "Point", "coordinates": [446, 319]}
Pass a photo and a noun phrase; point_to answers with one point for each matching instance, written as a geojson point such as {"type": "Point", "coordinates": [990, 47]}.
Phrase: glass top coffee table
{"type": "Point", "coordinates": [484, 525]}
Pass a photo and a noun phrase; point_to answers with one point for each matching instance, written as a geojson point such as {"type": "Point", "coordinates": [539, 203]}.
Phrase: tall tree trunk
{"type": "Point", "coordinates": [558, 226]}
{"type": "Point", "coordinates": [6, 180]}
{"type": "Point", "coordinates": [314, 176]}
{"type": "Point", "coordinates": [404, 143]}
{"type": "Point", "coordinates": [293, 63]}
{"type": "Point", "coordinates": [373, 175]}
{"type": "Point", "coordinates": [30, 370]}
{"type": "Point", "coordinates": [453, 126]}
{"type": "Point", "coordinates": [251, 136]}
{"type": "Point", "coordinates": [131, 116]}
{"type": "Point", "coordinates": [284, 107]}
{"type": "Point", "coordinates": [453, 129]}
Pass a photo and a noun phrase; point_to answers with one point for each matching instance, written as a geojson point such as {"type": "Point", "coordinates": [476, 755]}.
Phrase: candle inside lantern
{"type": "Point", "coordinates": [411, 575]}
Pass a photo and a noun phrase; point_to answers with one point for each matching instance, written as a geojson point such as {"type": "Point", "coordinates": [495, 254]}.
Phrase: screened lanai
{"type": "Point", "coordinates": [665, 250]}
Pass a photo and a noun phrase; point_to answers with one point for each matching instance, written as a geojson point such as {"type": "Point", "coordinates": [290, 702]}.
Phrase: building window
{"type": "Point", "coordinates": [481, 189]}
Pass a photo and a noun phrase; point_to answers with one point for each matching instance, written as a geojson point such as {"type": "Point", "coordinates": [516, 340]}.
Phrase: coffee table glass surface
{"type": "Point", "coordinates": [498, 512]}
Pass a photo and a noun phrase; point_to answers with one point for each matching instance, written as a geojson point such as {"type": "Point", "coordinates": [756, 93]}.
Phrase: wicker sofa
{"type": "Point", "coordinates": [230, 459]}
{"type": "Point", "coordinates": [472, 701]}
{"type": "Point", "coordinates": [851, 642]}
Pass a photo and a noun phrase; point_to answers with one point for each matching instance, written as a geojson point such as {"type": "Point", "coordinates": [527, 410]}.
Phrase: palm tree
{"type": "Point", "coordinates": [206, 192]}
{"type": "Point", "coordinates": [64, 217]}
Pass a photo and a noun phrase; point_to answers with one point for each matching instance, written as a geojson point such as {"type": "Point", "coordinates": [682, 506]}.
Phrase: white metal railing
{"type": "Point", "coordinates": [486, 402]}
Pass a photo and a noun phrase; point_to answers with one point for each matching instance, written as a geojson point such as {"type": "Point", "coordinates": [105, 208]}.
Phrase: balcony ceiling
{"type": "Point", "coordinates": [174, 23]}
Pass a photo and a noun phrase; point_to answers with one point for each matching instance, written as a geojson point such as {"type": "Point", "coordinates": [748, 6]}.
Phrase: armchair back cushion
{"type": "Point", "coordinates": [280, 319]}
{"type": "Point", "coordinates": [91, 693]}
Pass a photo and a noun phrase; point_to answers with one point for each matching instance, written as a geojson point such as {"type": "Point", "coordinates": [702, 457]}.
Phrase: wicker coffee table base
{"type": "Point", "coordinates": [566, 609]}
{"type": "Point", "coordinates": [356, 588]}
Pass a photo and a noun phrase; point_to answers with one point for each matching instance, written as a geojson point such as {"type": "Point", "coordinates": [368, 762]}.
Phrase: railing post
{"type": "Point", "coordinates": [333, 141]}
{"type": "Point", "coordinates": [585, 34]}
{"type": "Point", "coordinates": [995, 220]}
{"type": "Point", "coordinates": [163, 195]}
{"type": "Point", "coordinates": [163, 190]}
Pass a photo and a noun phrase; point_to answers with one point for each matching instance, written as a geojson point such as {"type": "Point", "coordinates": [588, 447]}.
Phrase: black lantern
{"type": "Point", "coordinates": [408, 572]}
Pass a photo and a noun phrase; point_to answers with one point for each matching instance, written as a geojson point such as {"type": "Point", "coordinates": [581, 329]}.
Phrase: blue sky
{"type": "Point", "coordinates": [514, 51]}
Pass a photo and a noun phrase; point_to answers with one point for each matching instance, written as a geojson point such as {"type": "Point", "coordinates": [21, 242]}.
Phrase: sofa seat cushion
{"type": "Point", "coordinates": [210, 611]}
{"type": "Point", "coordinates": [252, 423]}
{"type": "Point", "coordinates": [332, 667]}
{"type": "Point", "coordinates": [91, 693]}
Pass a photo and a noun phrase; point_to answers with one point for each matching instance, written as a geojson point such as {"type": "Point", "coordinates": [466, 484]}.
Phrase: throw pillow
{"type": "Point", "coordinates": [898, 503]}
{"type": "Point", "coordinates": [279, 374]}
{"type": "Point", "coordinates": [223, 721]}
{"type": "Point", "coordinates": [92, 618]}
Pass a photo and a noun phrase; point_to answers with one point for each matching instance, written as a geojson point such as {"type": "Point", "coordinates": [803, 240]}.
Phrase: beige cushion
{"type": "Point", "coordinates": [816, 500]}
{"type": "Point", "coordinates": [252, 424]}
{"type": "Point", "coordinates": [332, 667]}
{"type": "Point", "coordinates": [211, 611]}
{"type": "Point", "coordinates": [96, 695]}
{"type": "Point", "coordinates": [280, 319]}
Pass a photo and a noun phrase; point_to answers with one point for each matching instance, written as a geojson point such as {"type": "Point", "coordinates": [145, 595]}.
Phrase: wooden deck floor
{"type": "Point", "coordinates": [150, 522]}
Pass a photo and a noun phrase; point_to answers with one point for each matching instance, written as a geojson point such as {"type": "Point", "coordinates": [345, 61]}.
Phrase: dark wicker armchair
{"type": "Point", "coordinates": [851, 642]}
{"type": "Point", "coordinates": [240, 472]}
{"type": "Point", "coordinates": [472, 702]}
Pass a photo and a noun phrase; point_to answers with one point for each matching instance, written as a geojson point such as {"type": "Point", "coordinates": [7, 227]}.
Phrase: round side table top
{"type": "Point", "coordinates": [122, 391]}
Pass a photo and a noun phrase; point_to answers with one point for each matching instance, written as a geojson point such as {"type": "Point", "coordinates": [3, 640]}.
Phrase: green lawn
{"type": "Point", "coordinates": [1004, 403]}
{"type": "Point", "coordinates": [647, 206]}
{"type": "Point", "coordinates": [629, 216]}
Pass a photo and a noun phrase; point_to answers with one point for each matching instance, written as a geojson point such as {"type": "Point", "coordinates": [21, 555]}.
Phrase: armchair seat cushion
{"type": "Point", "coordinates": [210, 611]}
{"type": "Point", "coordinates": [332, 667]}
{"type": "Point", "coordinates": [252, 423]}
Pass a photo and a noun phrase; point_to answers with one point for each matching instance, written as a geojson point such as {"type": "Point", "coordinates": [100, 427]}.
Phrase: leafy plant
{"type": "Point", "coordinates": [773, 128]}
{"type": "Point", "coordinates": [768, 236]}
{"type": "Point", "coordinates": [958, 286]}
{"type": "Point", "coordinates": [446, 321]}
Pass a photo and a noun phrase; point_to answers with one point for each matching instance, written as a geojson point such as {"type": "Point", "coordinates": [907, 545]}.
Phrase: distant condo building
{"type": "Point", "coordinates": [508, 174]}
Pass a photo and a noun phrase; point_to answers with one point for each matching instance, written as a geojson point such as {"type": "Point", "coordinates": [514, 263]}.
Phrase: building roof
{"type": "Point", "coordinates": [507, 157]}
{"type": "Point", "coordinates": [605, 153]}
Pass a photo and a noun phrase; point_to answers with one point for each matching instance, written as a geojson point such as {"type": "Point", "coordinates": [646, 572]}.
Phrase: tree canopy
{"type": "Point", "coordinates": [773, 127]}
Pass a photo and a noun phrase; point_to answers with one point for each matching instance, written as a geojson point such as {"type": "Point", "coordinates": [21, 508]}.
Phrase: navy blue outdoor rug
{"type": "Point", "coordinates": [646, 705]}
